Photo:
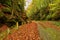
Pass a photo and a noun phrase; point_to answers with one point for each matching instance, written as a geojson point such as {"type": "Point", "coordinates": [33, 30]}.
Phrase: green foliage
{"type": "Point", "coordinates": [6, 2]}
{"type": "Point", "coordinates": [44, 9]}
{"type": "Point", "coordinates": [11, 11]}
{"type": "Point", "coordinates": [57, 23]}
{"type": "Point", "coordinates": [3, 34]}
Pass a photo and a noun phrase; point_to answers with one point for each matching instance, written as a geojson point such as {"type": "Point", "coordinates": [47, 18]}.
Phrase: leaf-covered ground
{"type": "Point", "coordinates": [37, 30]}
{"type": "Point", "coordinates": [25, 32]}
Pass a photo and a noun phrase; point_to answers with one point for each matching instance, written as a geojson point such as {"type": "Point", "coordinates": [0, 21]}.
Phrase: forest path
{"type": "Point", "coordinates": [25, 32]}
{"type": "Point", "coordinates": [37, 30]}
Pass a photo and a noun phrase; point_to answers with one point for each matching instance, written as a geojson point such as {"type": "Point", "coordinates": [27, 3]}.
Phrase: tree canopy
{"type": "Point", "coordinates": [11, 11]}
{"type": "Point", "coordinates": [44, 10]}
